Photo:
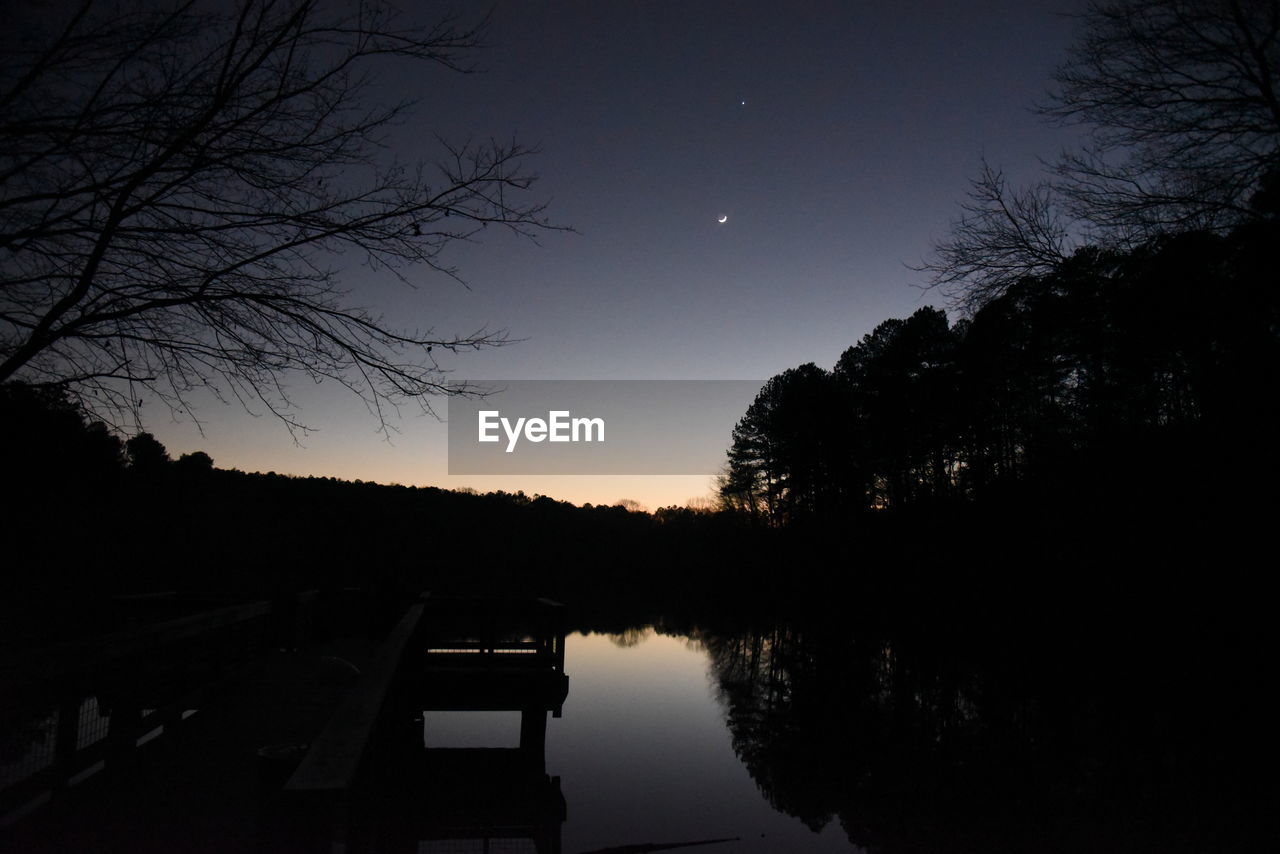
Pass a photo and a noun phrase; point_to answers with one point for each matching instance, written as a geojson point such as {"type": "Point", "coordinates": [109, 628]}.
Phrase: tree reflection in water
{"type": "Point", "coordinates": [922, 743]}
{"type": "Point", "coordinates": [630, 637]}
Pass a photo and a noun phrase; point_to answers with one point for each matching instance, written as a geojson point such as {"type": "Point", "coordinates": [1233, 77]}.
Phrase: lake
{"type": "Point", "coordinates": [736, 730]}
{"type": "Point", "coordinates": [643, 752]}
{"type": "Point", "coordinates": [825, 739]}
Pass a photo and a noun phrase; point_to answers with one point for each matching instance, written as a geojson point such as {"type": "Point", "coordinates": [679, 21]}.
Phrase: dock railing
{"type": "Point", "coordinates": [72, 709]}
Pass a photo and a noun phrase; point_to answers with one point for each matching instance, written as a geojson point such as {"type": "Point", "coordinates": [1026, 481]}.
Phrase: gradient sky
{"type": "Point", "coordinates": [861, 126]}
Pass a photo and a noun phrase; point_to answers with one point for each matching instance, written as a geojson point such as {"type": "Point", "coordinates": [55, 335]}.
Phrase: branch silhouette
{"type": "Point", "coordinates": [178, 187]}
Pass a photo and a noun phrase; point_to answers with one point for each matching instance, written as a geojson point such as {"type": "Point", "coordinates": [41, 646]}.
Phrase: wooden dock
{"type": "Point", "coordinates": [205, 710]}
{"type": "Point", "coordinates": [368, 776]}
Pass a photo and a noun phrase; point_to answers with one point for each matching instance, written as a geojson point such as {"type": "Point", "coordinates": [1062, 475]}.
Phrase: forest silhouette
{"type": "Point", "coordinates": [1119, 379]}
{"type": "Point", "coordinates": [993, 581]}
{"type": "Point", "coordinates": [1100, 437]}
{"type": "Point", "coordinates": [1096, 425]}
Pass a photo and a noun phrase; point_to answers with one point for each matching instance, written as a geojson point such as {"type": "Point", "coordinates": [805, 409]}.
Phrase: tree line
{"type": "Point", "coordinates": [1117, 332]}
{"type": "Point", "coordinates": [91, 515]}
{"type": "Point", "coordinates": [1148, 369]}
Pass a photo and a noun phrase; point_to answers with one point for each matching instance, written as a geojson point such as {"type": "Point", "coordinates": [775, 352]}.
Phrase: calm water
{"type": "Point", "coordinates": [643, 752]}
{"type": "Point", "coordinates": [820, 740]}
{"type": "Point", "coordinates": [824, 735]}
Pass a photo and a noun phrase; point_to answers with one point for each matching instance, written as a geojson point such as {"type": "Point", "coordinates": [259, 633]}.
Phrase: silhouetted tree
{"type": "Point", "coordinates": [196, 462]}
{"type": "Point", "coordinates": [1115, 378]}
{"type": "Point", "coordinates": [786, 457]}
{"type": "Point", "coordinates": [146, 454]}
{"type": "Point", "coordinates": [179, 183]}
{"type": "Point", "coordinates": [1002, 236]}
{"type": "Point", "coordinates": [45, 442]}
{"type": "Point", "coordinates": [1181, 99]}
{"type": "Point", "coordinates": [901, 382]}
{"type": "Point", "coordinates": [1180, 104]}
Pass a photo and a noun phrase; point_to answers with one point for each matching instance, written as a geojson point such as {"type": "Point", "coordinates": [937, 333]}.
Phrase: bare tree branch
{"type": "Point", "coordinates": [1001, 237]}
{"type": "Point", "coordinates": [178, 184]}
{"type": "Point", "coordinates": [1180, 100]}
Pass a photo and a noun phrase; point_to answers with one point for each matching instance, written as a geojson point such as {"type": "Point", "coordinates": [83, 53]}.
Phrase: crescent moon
{"type": "Point", "coordinates": [724, 219]}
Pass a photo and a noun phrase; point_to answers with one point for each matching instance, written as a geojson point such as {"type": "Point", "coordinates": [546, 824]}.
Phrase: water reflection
{"type": "Point", "coordinates": [474, 656]}
{"type": "Point", "coordinates": [918, 742]}
{"type": "Point", "coordinates": [631, 637]}
{"type": "Point", "coordinates": [801, 734]}
{"type": "Point", "coordinates": [646, 760]}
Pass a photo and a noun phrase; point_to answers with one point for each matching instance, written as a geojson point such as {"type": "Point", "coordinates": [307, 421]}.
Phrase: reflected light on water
{"type": "Point", "coordinates": [644, 755]}
{"type": "Point", "coordinates": [470, 729]}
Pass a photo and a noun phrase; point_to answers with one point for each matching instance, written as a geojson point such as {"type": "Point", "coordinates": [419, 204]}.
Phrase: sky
{"type": "Point", "coordinates": [837, 138]}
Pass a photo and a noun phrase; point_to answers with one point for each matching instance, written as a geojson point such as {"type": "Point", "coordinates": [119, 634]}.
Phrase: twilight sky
{"type": "Point", "coordinates": [836, 137]}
